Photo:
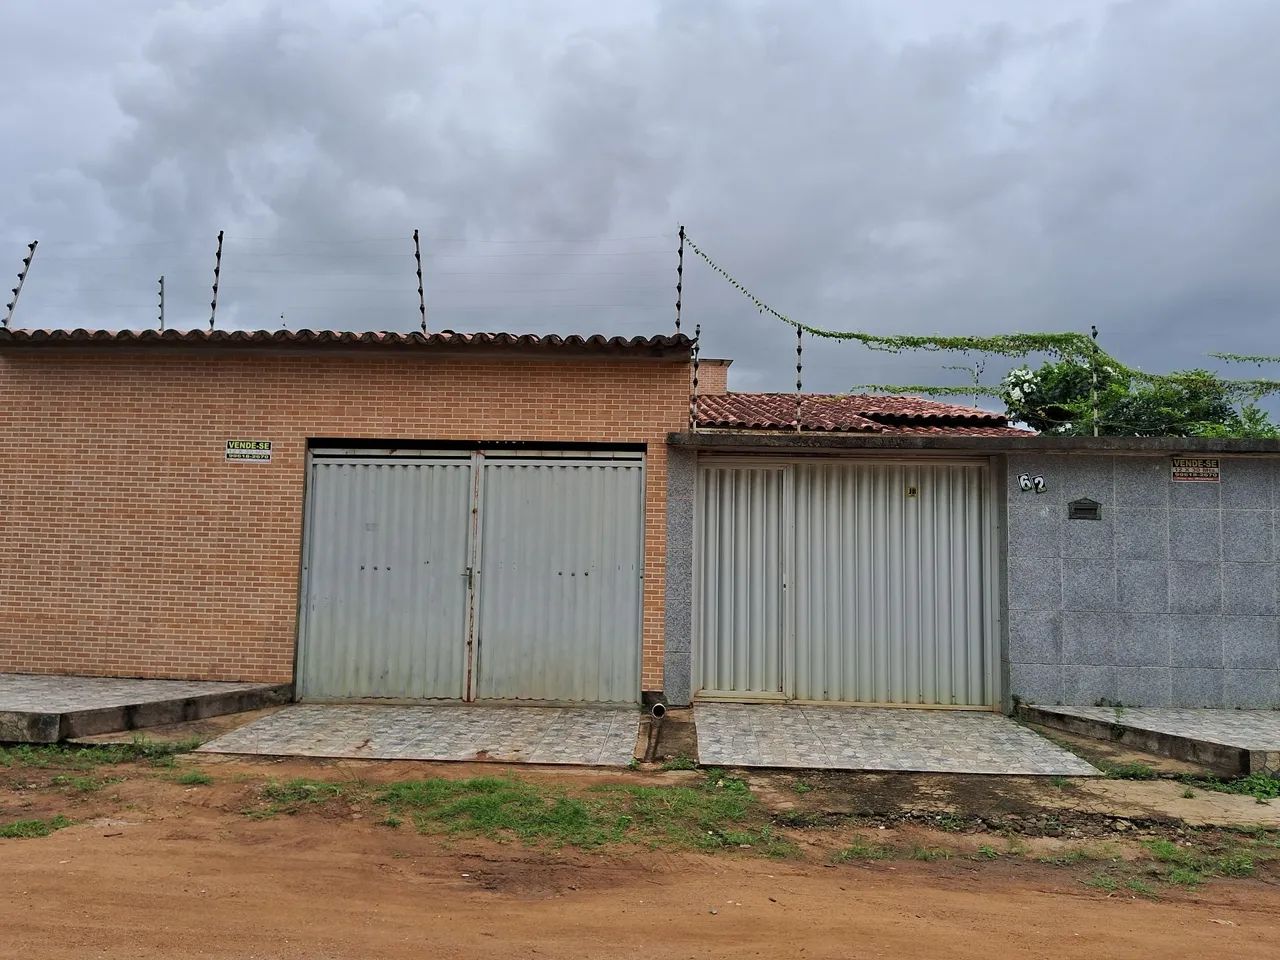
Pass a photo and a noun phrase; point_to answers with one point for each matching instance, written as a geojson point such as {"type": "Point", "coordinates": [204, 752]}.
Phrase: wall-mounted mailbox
{"type": "Point", "coordinates": [1084, 509]}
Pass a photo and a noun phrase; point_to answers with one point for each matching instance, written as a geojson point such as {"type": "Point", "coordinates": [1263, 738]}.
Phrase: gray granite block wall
{"type": "Point", "coordinates": [678, 619]}
{"type": "Point", "coordinates": [1172, 598]}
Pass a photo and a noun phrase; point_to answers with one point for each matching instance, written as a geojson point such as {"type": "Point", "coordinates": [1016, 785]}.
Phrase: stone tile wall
{"type": "Point", "coordinates": [1172, 598]}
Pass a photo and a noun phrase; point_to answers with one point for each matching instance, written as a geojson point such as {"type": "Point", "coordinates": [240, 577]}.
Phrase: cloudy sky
{"type": "Point", "coordinates": [954, 166]}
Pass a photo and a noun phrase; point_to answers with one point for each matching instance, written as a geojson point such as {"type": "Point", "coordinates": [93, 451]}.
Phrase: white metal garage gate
{"type": "Point", "coordinates": [473, 576]}
{"type": "Point", "coordinates": [852, 581]}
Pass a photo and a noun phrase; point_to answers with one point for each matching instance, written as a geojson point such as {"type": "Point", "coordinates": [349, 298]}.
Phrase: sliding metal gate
{"type": "Point", "coordinates": [862, 582]}
{"type": "Point", "coordinates": [473, 576]}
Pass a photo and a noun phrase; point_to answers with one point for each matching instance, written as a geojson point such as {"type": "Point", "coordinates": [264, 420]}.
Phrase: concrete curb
{"type": "Point", "coordinates": [24, 726]}
{"type": "Point", "coordinates": [1220, 757]}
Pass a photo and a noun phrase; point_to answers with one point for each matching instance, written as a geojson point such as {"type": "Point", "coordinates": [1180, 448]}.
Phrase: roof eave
{"type": "Point", "coordinates": [675, 346]}
{"type": "Point", "coordinates": [783, 440]}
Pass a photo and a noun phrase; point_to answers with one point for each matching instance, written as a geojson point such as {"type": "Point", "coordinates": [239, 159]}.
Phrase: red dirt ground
{"type": "Point", "coordinates": [157, 870]}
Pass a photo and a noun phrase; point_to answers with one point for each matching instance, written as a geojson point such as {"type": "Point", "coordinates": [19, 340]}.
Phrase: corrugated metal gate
{"type": "Point", "coordinates": [860, 582]}
{"type": "Point", "coordinates": [473, 576]}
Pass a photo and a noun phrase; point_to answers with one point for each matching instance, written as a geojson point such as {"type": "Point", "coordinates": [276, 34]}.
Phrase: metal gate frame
{"type": "Point", "coordinates": [472, 569]}
{"type": "Point", "coordinates": [991, 570]}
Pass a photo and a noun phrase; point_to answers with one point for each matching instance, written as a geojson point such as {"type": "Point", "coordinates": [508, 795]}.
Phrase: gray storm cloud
{"type": "Point", "coordinates": [946, 168]}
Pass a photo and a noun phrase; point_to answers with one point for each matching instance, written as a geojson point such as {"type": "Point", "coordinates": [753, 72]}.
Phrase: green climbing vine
{"type": "Point", "coordinates": [1079, 387]}
{"type": "Point", "coordinates": [958, 390]}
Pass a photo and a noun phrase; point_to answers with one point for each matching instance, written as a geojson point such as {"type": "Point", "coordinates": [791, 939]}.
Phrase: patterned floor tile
{"type": "Point", "coordinates": [870, 738]}
{"type": "Point", "coordinates": [589, 736]}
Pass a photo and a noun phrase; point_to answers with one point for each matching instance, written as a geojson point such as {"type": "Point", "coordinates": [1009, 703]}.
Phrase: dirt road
{"type": "Point", "coordinates": [200, 883]}
{"type": "Point", "coordinates": [196, 859]}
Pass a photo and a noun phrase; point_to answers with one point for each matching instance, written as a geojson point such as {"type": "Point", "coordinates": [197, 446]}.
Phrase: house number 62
{"type": "Point", "coordinates": [1029, 483]}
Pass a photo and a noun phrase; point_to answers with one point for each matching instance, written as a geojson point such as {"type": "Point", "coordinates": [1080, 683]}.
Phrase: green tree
{"type": "Point", "coordinates": [1069, 397]}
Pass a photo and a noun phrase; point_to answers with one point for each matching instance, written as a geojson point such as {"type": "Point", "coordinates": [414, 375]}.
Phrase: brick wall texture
{"type": "Point", "coordinates": [713, 377]}
{"type": "Point", "coordinates": [130, 547]}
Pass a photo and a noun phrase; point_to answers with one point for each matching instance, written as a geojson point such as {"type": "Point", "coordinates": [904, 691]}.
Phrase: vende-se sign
{"type": "Point", "coordinates": [258, 451]}
{"type": "Point", "coordinates": [1197, 469]}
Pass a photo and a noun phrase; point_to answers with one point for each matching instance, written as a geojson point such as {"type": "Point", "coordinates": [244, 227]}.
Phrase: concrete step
{"type": "Point", "coordinates": [52, 709]}
{"type": "Point", "coordinates": [1209, 738]}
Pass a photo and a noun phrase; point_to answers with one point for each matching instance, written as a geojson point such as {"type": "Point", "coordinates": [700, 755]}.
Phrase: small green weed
{"type": "Point", "coordinates": [390, 820]}
{"type": "Point", "coordinates": [1127, 771]}
{"type": "Point", "coordinates": [929, 854]}
{"type": "Point", "coordinates": [861, 850]}
{"type": "Point", "coordinates": [987, 852]}
{"type": "Point", "coordinates": [802, 786]}
{"type": "Point", "coordinates": [680, 763]}
{"type": "Point", "coordinates": [1262, 787]}
{"type": "Point", "coordinates": [28, 829]}
{"type": "Point", "coordinates": [194, 778]}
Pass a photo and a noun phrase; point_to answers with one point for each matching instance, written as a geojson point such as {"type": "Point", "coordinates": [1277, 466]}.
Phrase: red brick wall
{"type": "Point", "coordinates": [130, 547]}
{"type": "Point", "coordinates": [713, 377]}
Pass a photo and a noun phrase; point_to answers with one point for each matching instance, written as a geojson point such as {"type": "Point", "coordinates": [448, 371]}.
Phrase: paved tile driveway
{"type": "Point", "coordinates": [590, 736]}
{"type": "Point", "coordinates": [871, 738]}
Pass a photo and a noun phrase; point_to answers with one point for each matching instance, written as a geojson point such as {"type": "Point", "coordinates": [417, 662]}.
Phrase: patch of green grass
{"type": "Point", "coordinates": [680, 763]}
{"type": "Point", "coordinates": [194, 778]}
{"type": "Point", "coordinates": [951, 823]}
{"type": "Point", "coordinates": [861, 850]}
{"type": "Point", "coordinates": [1184, 877]}
{"type": "Point", "coordinates": [1189, 865]}
{"type": "Point", "coordinates": [293, 795]}
{"type": "Point", "coordinates": [1188, 793]}
{"type": "Point", "coordinates": [1140, 887]}
{"type": "Point", "coordinates": [390, 820]}
{"type": "Point", "coordinates": [1103, 881]}
{"type": "Point", "coordinates": [1073, 855]}
{"type": "Point", "coordinates": [81, 784]}
{"type": "Point", "coordinates": [74, 757]}
{"type": "Point", "coordinates": [502, 806]}
{"type": "Point", "coordinates": [1060, 782]}
{"type": "Point", "coordinates": [802, 786]}
{"type": "Point", "coordinates": [719, 812]}
{"type": "Point", "coordinates": [27, 829]}
{"type": "Point", "coordinates": [987, 852]}
{"type": "Point", "coordinates": [1166, 851]}
{"type": "Point", "coordinates": [1260, 786]}
{"type": "Point", "coordinates": [1235, 864]}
